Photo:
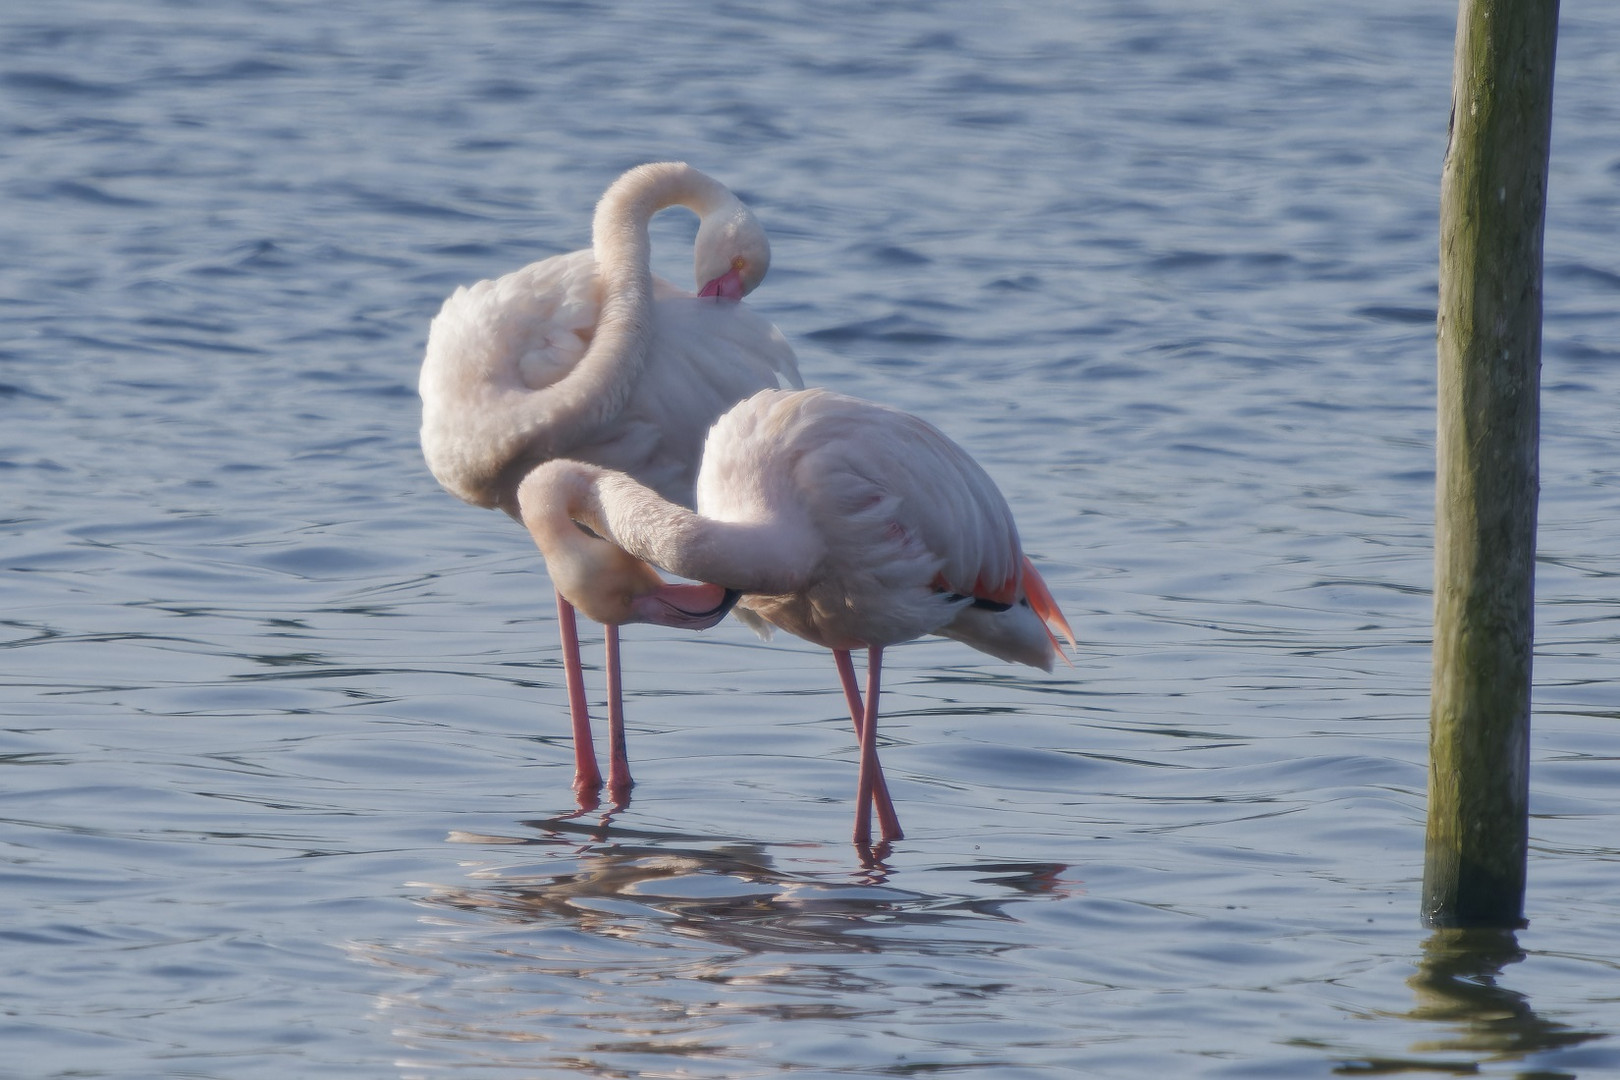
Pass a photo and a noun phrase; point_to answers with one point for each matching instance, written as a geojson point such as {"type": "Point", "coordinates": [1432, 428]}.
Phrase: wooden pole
{"type": "Point", "coordinates": [1492, 205]}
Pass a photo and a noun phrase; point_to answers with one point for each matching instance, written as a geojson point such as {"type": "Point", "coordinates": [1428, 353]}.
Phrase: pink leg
{"type": "Point", "coordinates": [866, 786]}
{"type": "Point", "coordinates": [587, 777]}
{"type": "Point", "coordinates": [619, 782]}
{"type": "Point", "coordinates": [852, 689]}
{"type": "Point", "coordinates": [887, 818]}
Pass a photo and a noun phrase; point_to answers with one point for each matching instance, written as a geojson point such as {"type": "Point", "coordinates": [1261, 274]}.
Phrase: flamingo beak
{"type": "Point", "coordinates": [685, 607]}
{"type": "Point", "coordinates": [728, 286]}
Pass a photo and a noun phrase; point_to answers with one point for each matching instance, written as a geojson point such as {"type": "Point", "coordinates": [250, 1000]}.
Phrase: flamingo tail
{"type": "Point", "coordinates": [1042, 603]}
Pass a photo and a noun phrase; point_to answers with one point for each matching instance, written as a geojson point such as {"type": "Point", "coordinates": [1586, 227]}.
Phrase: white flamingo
{"type": "Point", "coordinates": [850, 524]}
{"type": "Point", "coordinates": [589, 356]}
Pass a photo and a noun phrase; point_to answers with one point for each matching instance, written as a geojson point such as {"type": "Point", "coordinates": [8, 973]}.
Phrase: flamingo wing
{"type": "Point", "coordinates": [493, 345]}
{"type": "Point", "coordinates": [915, 536]}
{"type": "Point", "coordinates": [947, 536]}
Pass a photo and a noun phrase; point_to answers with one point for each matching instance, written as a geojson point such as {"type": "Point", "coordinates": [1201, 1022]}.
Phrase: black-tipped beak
{"type": "Point", "coordinates": [728, 600]}
{"type": "Point", "coordinates": [689, 607]}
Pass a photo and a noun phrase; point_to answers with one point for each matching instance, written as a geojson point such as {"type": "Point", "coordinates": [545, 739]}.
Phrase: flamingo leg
{"type": "Point", "coordinates": [618, 781]}
{"type": "Point", "coordinates": [871, 774]}
{"type": "Point", "coordinates": [852, 689]}
{"type": "Point", "coordinates": [887, 818]}
{"type": "Point", "coordinates": [587, 777]}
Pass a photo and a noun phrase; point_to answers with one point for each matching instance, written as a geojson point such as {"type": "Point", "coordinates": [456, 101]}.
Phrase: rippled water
{"type": "Point", "coordinates": [286, 766]}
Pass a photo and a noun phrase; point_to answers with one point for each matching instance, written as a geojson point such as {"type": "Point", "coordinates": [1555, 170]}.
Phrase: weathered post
{"type": "Point", "coordinates": [1492, 205]}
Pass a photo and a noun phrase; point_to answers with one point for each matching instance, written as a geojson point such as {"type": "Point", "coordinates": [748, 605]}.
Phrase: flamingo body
{"type": "Point", "coordinates": [497, 346]}
{"type": "Point", "coordinates": [913, 536]}
{"type": "Point", "coordinates": [589, 356]}
{"type": "Point", "coordinates": [847, 523]}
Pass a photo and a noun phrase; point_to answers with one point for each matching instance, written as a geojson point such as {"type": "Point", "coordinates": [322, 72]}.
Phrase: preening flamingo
{"type": "Point", "coordinates": [849, 524]}
{"type": "Point", "coordinates": [589, 356]}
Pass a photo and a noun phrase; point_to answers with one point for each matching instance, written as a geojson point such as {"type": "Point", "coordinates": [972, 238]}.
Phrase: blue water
{"type": "Point", "coordinates": [286, 766]}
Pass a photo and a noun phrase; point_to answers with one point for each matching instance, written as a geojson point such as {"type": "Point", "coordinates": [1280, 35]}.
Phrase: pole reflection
{"type": "Point", "coordinates": [1457, 985]}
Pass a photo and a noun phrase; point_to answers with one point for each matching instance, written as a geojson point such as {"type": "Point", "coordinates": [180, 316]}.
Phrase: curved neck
{"type": "Point", "coordinates": [771, 556]}
{"type": "Point", "coordinates": [619, 236]}
{"type": "Point", "coordinates": [595, 391]}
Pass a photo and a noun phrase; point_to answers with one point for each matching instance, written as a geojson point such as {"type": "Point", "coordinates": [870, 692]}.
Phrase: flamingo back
{"type": "Point", "coordinates": [498, 345]}
{"type": "Point", "coordinates": [916, 537]}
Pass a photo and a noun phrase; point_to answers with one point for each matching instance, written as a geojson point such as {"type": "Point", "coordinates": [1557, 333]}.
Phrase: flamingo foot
{"type": "Point", "coordinates": [873, 858]}
{"type": "Point", "coordinates": [587, 797]}
{"type": "Point", "coordinates": [889, 824]}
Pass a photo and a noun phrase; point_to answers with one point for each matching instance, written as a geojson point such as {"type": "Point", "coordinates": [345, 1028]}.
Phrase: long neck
{"type": "Point", "coordinates": [594, 393]}
{"type": "Point", "coordinates": [619, 230]}
{"type": "Point", "coordinates": [770, 556]}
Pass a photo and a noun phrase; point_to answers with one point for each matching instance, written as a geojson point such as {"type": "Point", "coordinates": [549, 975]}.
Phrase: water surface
{"type": "Point", "coordinates": [286, 764]}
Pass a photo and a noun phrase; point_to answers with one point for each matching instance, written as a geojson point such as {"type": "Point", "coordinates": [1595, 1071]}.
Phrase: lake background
{"type": "Point", "coordinates": [285, 753]}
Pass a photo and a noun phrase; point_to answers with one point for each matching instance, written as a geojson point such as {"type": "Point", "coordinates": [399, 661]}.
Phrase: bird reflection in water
{"type": "Point", "coordinates": [873, 857]}
{"type": "Point", "coordinates": [636, 883]}
{"type": "Point", "coordinates": [588, 944]}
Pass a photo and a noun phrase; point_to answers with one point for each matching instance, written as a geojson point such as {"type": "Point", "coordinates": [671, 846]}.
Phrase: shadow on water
{"type": "Point", "coordinates": [1458, 987]}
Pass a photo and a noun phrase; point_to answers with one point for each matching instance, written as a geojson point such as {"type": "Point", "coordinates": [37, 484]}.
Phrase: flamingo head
{"type": "Point", "coordinates": [614, 587]}
{"type": "Point", "coordinates": [731, 254]}
{"type": "Point", "coordinates": [596, 575]}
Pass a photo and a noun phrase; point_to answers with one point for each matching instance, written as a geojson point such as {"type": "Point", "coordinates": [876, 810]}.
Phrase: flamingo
{"type": "Point", "coordinates": [848, 523]}
{"type": "Point", "coordinates": [589, 356]}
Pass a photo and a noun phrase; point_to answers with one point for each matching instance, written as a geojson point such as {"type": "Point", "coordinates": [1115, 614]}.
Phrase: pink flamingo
{"type": "Point", "coordinates": [849, 524]}
{"type": "Point", "coordinates": [589, 356]}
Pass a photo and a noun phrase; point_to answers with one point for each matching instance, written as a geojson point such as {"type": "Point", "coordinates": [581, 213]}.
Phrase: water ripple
{"type": "Point", "coordinates": [1167, 271]}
